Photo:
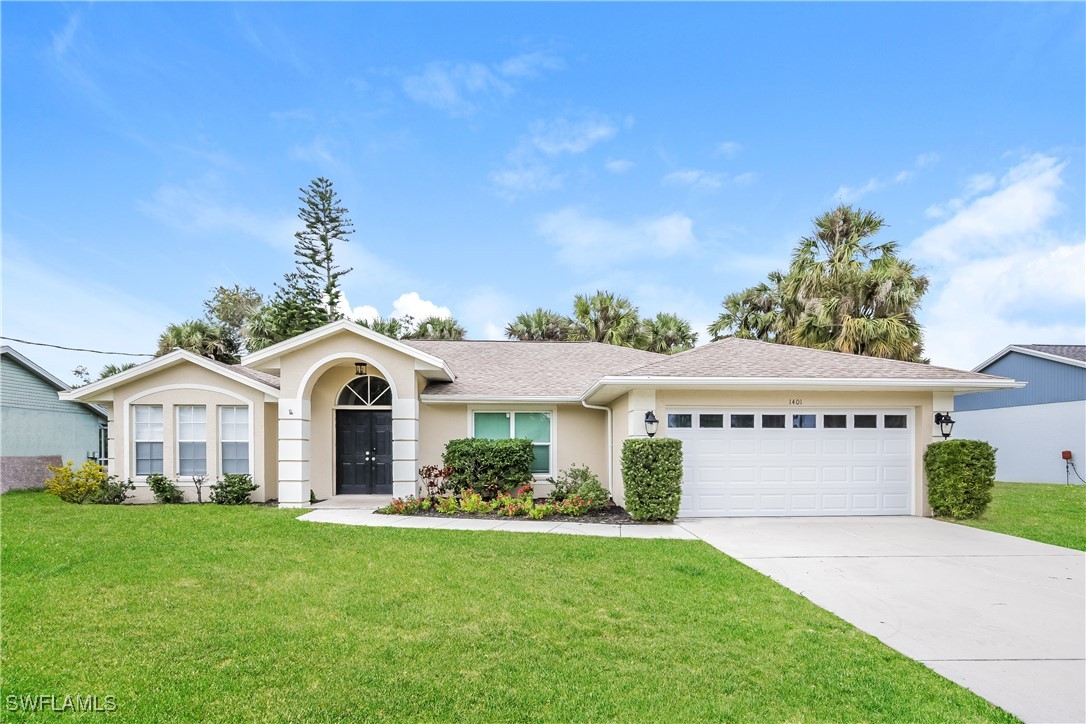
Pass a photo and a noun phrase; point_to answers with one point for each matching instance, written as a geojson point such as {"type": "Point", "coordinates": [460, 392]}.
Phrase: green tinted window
{"type": "Point", "coordinates": [492, 425]}
{"type": "Point", "coordinates": [536, 426]}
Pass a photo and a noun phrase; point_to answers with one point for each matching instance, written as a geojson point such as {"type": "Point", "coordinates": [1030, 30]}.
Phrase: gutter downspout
{"type": "Point", "coordinates": [610, 445]}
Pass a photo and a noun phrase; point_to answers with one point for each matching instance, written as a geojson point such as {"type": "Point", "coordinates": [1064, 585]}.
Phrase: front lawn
{"type": "Point", "coordinates": [217, 613]}
{"type": "Point", "coordinates": [1053, 514]}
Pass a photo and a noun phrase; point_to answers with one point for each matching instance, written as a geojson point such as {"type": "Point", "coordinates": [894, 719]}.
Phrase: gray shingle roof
{"type": "Point", "coordinates": [527, 369]}
{"type": "Point", "coordinates": [1070, 351]}
{"type": "Point", "coordinates": [263, 377]}
{"type": "Point", "coordinates": [746, 358]}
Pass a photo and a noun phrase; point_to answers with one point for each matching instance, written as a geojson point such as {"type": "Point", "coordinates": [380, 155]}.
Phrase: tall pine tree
{"type": "Point", "coordinates": [309, 296]}
{"type": "Point", "coordinates": [326, 222]}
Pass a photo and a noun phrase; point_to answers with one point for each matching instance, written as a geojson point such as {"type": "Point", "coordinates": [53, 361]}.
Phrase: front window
{"type": "Point", "coordinates": [147, 421]}
{"type": "Point", "coordinates": [191, 440]}
{"type": "Point", "coordinates": [234, 438]}
{"type": "Point", "coordinates": [535, 426]}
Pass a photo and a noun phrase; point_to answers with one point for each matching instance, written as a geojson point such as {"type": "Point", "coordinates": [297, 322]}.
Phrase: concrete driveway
{"type": "Point", "coordinates": [1002, 616]}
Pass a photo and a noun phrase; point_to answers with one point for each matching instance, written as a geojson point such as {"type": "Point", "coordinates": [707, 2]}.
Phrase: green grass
{"type": "Point", "coordinates": [214, 613]}
{"type": "Point", "coordinates": [1053, 514]}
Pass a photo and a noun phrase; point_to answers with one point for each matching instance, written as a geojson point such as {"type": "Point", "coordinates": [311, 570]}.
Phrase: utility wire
{"type": "Point", "coordinates": [76, 349]}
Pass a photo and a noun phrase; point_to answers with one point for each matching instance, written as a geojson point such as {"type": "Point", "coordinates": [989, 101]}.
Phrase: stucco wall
{"type": "Point", "coordinates": [1029, 439]}
{"type": "Point", "coordinates": [187, 384]}
{"type": "Point", "coordinates": [580, 434]}
{"type": "Point", "coordinates": [922, 404]}
{"type": "Point", "coordinates": [344, 348]}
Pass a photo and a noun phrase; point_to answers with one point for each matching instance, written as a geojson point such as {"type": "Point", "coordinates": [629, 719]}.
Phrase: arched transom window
{"type": "Point", "coordinates": [368, 391]}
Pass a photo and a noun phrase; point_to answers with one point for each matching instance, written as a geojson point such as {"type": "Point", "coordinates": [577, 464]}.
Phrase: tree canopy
{"type": "Point", "coordinates": [842, 292]}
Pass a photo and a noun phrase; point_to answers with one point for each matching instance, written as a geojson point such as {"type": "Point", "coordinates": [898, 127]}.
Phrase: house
{"type": "Point", "coordinates": [1030, 427]}
{"type": "Point", "coordinates": [767, 429]}
{"type": "Point", "coordinates": [38, 429]}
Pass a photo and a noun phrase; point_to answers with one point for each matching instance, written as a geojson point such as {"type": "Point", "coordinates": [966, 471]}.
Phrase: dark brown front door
{"type": "Point", "coordinates": [363, 452]}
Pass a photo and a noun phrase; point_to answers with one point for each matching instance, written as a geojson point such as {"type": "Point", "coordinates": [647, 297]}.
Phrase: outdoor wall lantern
{"type": "Point", "coordinates": [945, 423]}
{"type": "Point", "coordinates": [360, 369]}
{"type": "Point", "coordinates": [651, 423]}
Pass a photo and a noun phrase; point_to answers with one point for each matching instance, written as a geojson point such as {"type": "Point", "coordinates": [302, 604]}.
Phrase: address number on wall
{"type": "Point", "coordinates": [795, 402]}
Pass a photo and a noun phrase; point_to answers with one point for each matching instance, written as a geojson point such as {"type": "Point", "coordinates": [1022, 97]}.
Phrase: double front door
{"type": "Point", "coordinates": [363, 452]}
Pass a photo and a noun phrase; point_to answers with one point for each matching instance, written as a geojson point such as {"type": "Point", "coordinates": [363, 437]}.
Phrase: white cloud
{"type": "Point", "coordinates": [618, 165]}
{"type": "Point", "coordinates": [460, 89]}
{"type": "Point", "coordinates": [851, 194]}
{"type": "Point", "coordinates": [413, 305]}
{"type": "Point", "coordinates": [365, 313]}
{"type": "Point", "coordinates": [455, 88]}
{"type": "Point", "coordinates": [487, 310]}
{"type": "Point", "coordinates": [584, 240]}
{"type": "Point", "coordinates": [63, 40]}
{"type": "Point", "coordinates": [974, 185]}
{"type": "Point", "coordinates": [196, 210]}
{"type": "Point", "coordinates": [1001, 273]}
{"type": "Point", "coordinates": [729, 149]}
{"type": "Point", "coordinates": [565, 135]}
{"type": "Point", "coordinates": [701, 179]}
{"type": "Point", "coordinates": [530, 65]}
{"type": "Point", "coordinates": [528, 166]}
{"type": "Point", "coordinates": [695, 179]}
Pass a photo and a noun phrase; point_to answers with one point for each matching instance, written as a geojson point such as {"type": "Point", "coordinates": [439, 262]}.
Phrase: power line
{"type": "Point", "coordinates": [76, 349]}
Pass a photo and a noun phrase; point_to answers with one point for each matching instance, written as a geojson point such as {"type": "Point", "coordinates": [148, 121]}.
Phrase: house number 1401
{"type": "Point", "coordinates": [795, 402]}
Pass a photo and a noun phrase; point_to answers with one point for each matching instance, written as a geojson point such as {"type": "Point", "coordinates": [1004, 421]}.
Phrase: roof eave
{"type": "Point", "coordinates": [799, 383]}
{"type": "Point", "coordinates": [94, 391]}
{"type": "Point", "coordinates": [1032, 352]}
{"type": "Point", "coordinates": [498, 399]}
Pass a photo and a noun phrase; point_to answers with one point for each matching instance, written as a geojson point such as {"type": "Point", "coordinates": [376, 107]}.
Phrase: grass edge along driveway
{"type": "Point", "coordinates": [214, 614]}
{"type": "Point", "coordinates": [1054, 514]}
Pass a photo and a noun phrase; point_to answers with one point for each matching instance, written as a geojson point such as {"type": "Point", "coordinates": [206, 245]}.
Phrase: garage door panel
{"type": "Point", "coordinates": [795, 471]}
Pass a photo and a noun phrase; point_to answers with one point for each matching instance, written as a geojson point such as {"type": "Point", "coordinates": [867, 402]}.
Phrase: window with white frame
{"type": "Point", "coordinates": [147, 434]}
{"type": "Point", "coordinates": [191, 440]}
{"type": "Point", "coordinates": [535, 426]}
{"type": "Point", "coordinates": [234, 438]}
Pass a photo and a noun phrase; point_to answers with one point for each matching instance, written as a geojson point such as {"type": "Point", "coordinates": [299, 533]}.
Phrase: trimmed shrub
{"type": "Point", "coordinates": [113, 491]}
{"type": "Point", "coordinates": [488, 466]}
{"type": "Point", "coordinates": [652, 469]}
{"type": "Point", "coordinates": [233, 489]}
{"type": "Point", "coordinates": [77, 486]}
{"type": "Point", "coordinates": [579, 481]}
{"type": "Point", "coordinates": [164, 489]}
{"type": "Point", "coordinates": [961, 474]}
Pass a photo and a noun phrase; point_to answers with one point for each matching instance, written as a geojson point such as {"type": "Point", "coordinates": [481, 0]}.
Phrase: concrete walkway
{"type": "Point", "coordinates": [1002, 616]}
{"type": "Point", "coordinates": [358, 516]}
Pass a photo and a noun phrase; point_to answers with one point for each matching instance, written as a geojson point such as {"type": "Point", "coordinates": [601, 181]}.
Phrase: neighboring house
{"type": "Point", "coordinates": [1030, 427]}
{"type": "Point", "coordinates": [37, 429]}
{"type": "Point", "coordinates": [767, 429]}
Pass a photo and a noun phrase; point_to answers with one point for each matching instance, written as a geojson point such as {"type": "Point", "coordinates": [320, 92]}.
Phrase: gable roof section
{"type": "Point", "coordinates": [1071, 354]}
{"type": "Point", "coordinates": [261, 381]}
{"type": "Point", "coordinates": [263, 356]}
{"type": "Point", "coordinates": [734, 362]}
{"type": "Point", "coordinates": [47, 377]}
{"type": "Point", "coordinates": [502, 371]}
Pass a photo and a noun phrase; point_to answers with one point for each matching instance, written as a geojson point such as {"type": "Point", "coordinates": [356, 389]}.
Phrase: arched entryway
{"type": "Point", "coordinates": [363, 437]}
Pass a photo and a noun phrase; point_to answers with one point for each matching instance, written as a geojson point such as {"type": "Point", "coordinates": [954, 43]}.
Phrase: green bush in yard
{"type": "Point", "coordinates": [579, 481]}
{"type": "Point", "coordinates": [488, 466]}
{"type": "Point", "coordinates": [961, 474]}
{"type": "Point", "coordinates": [233, 489]}
{"type": "Point", "coordinates": [164, 489]}
{"type": "Point", "coordinates": [652, 470]}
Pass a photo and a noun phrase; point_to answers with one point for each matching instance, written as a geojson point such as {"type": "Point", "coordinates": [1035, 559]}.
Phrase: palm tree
{"type": "Point", "coordinates": [542, 324]}
{"type": "Point", "coordinates": [394, 327]}
{"type": "Point", "coordinates": [438, 328]}
{"type": "Point", "coordinates": [842, 292]}
{"type": "Point", "coordinates": [111, 369]}
{"type": "Point", "coordinates": [668, 334]}
{"type": "Point", "coordinates": [199, 337]}
{"type": "Point", "coordinates": [606, 317]}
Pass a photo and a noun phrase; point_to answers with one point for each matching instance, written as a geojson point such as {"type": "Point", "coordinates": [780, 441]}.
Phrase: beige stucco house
{"type": "Point", "coordinates": [767, 429]}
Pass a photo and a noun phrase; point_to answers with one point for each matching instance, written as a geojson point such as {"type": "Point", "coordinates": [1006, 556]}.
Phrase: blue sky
{"type": "Point", "coordinates": [499, 157]}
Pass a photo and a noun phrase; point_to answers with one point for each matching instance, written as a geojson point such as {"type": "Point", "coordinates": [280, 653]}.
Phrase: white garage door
{"type": "Point", "coordinates": [788, 462]}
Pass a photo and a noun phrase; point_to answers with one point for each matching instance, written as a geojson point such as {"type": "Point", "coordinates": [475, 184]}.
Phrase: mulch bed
{"type": "Point", "coordinates": [612, 514]}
